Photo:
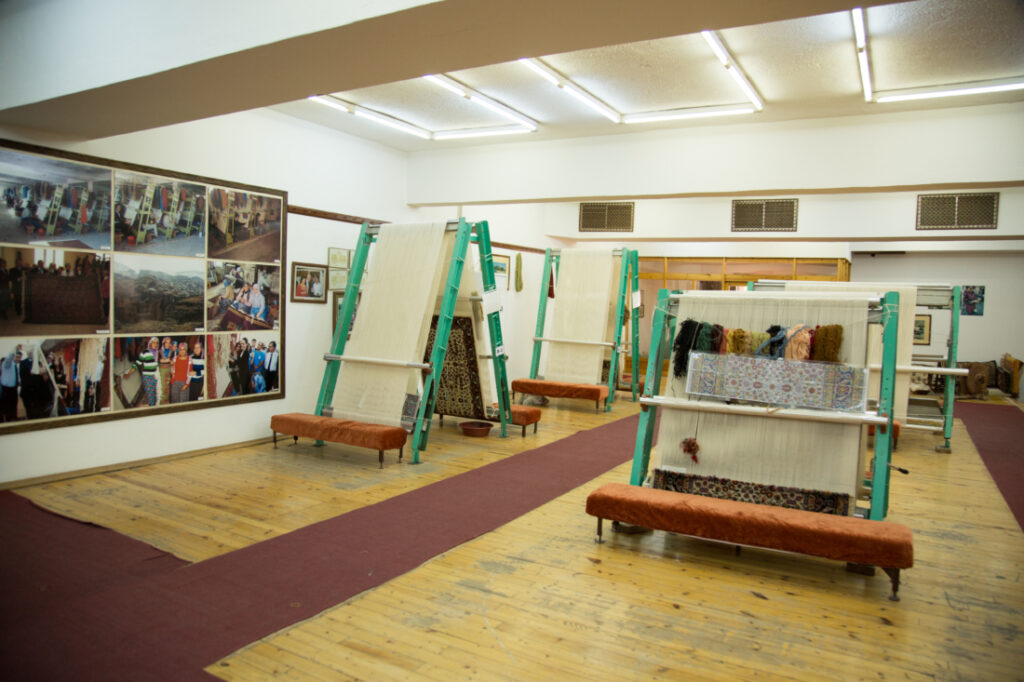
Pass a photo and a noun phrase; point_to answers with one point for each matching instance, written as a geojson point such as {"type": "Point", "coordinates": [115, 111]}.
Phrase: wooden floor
{"type": "Point", "coordinates": [537, 600]}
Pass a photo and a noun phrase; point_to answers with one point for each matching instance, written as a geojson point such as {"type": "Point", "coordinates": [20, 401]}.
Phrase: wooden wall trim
{"type": "Point", "coordinates": [331, 215]}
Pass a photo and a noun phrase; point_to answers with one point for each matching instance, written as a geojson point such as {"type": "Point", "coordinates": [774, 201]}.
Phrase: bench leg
{"type": "Point", "coordinates": [599, 539]}
{"type": "Point", "coordinates": [275, 440]}
{"type": "Point", "coordinates": [894, 578]}
{"type": "Point", "coordinates": [400, 451]}
{"type": "Point", "coordinates": [440, 420]}
{"type": "Point", "coordinates": [380, 456]}
{"type": "Point", "coordinates": [534, 427]}
{"type": "Point", "coordinates": [524, 431]}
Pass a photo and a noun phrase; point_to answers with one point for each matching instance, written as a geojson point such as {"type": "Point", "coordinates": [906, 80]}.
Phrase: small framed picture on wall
{"type": "Point", "coordinates": [309, 283]}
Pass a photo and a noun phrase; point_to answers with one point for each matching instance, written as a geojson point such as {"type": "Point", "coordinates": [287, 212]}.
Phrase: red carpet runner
{"type": "Point", "coordinates": [998, 434]}
{"type": "Point", "coordinates": [82, 603]}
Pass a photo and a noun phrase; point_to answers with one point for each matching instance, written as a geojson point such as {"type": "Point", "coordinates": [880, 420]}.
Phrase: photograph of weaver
{"type": "Point", "coordinates": [244, 226]}
{"type": "Point", "coordinates": [53, 292]}
{"type": "Point", "coordinates": [159, 215]}
{"type": "Point", "coordinates": [244, 363]}
{"type": "Point", "coordinates": [52, 378]}
{"type": "Point", "coordinates": [158, 294]}
{"type": "Point", "coordinates": [242, 296]}
{"type": "Point", "coordinates": [154, 370]}
{"type": "Point", "coordinates": [50, 202]}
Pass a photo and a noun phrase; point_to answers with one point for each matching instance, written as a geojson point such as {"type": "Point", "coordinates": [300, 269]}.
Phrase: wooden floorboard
{"type": "Point", "coordinates": [538, 599]}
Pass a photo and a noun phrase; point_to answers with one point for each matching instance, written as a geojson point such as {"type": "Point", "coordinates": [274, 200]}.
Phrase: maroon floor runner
{"type": "Point", "coordinates": [998, 434]}
{"type": "Point", "coordinates": [122, 621]}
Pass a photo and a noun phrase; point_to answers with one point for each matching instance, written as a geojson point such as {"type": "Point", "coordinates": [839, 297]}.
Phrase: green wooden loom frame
{"type": "Point", "coordinates": [629, 281]}
{"type": "Point", "coordinates": [663, 327]}
{"type": "Point", "coordinates": [466, 233]}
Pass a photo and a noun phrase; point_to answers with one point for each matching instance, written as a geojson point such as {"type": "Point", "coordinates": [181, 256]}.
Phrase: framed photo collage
{"type": "Point", "coordinates": [127, 290]}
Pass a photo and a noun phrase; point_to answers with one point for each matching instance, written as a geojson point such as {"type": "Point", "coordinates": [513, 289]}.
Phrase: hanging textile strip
{"type": "Point", "coordinates": [745, 491]}
{"type": "Point", "coordinates": [458, 391]}
{"type": "Point", "coordinates": [812, 385]}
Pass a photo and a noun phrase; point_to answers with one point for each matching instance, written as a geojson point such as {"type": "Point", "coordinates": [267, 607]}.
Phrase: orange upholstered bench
{"type": "Point", "coordinates": [889, 546]}
{"type": "Point", "coordinates": [895, 433]}
{"type": "Point", "coordinates": [523, 415]}
{"type": "Point", "coordinates": [360, 434]}
{"type": "Point", "coordinates": [561, 389]}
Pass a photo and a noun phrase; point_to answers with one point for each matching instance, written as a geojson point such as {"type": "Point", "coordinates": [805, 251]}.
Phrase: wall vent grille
{"type": "Point", "coordinates": [764, 215]}
{"type": "Point", "coordinates": [957, 211]}
{"type": "Point", "coordinates": [603, 216]}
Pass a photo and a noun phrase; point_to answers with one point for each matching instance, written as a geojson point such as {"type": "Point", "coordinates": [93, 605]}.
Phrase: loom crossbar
{"type": "Point", "coordinates": [609, 344]}
{"type": "Point", "coordinates": [377, 361]}
{"type": "Point", "coordinates": [768, 412]}
{"type": "Point", "coordinates": [925, 369]}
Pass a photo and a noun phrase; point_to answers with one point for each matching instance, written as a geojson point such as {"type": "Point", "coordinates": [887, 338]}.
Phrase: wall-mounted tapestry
{"type": "Point", "coordinates": [127, 290]}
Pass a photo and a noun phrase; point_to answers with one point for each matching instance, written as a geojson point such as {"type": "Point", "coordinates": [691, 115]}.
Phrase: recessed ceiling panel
{"type": "Point", "coordinates": [938, 42]}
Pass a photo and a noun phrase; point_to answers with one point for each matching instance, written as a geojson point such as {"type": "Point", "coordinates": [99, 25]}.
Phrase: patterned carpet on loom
{"type": "Point", "coordinates": [81, 602]}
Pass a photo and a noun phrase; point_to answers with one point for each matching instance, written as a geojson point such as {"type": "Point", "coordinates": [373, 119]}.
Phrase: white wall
{"type": "Point", "coordinates": [982, 338]}
{"type": "Point", "coordinates": [975, 144]}
{"type": "Point", "coordinates": [318, 168]}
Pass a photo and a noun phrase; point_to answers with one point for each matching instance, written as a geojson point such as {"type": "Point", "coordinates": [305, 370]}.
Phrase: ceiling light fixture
{"type": "Point", "coordinates": [860, 39]}
{"type": "Point", "coordinates": [560, 81]}
{"type": "Point", "coordinates": [733, 68]}
{"type": "Point", "coordinates": [480, 132]}
{"type": "Point", "coordinates": [954, 90]}
{"type": "Point", "coordinates": [332, 102]}
{"type": "Point", "coordinates": [391, 122]}
{"type": "Point", "coordinates": [482, 100]}
{"type": "Point", "coordinates": [693, 112]}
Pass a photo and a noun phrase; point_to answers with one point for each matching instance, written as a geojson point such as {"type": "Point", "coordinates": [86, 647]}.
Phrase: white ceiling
{"type": "Point", "coordinates": [802, 68]}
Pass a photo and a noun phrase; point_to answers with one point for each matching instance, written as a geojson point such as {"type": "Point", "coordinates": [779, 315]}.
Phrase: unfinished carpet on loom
{"type": "Point", "coordinates": [118, 615]}
{"type": "Point", "coordinates": [998, 434]}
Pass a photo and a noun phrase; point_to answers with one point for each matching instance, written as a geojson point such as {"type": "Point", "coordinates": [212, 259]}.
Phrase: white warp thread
{"type": "Point", "coordinates": [393, 320]}
{"type": "Point", "coordinates": [810, 455]}
{"type": "Point", "coordinates": [586, 278]}
{"type": "Point", "coordinates": [905, 335]}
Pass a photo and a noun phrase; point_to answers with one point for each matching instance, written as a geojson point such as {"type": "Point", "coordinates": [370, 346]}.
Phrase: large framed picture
{"type": "Point", "coordinates": [135, 291]}
{"type": "Point", "coordinates": [309, 283]}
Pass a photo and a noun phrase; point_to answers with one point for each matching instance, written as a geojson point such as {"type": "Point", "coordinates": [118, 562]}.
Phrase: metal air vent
{"type": "Point", "coordinates": [606, 216]}
{"type": "Point", "coordinates": [957, 211]}
{"type": "Point", "coordinates": [764, 215]}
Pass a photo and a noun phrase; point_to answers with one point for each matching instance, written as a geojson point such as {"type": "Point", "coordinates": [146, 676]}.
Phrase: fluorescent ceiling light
{"type": "Point", "coordinates": [448, 84]}
{"type": "Point", "coordinates": [733, 68]}
{"type": "Point", "coordinates": [716, 46]}
{"type": "Point", "coordinates": [592, 102]}
{"type": "Point", "coordinates": [331, 102]}
{"type": "Point", "coordinates": [859, 34]}
{"type": "Point", "coordinates": [391, 122]}
{"type": "Point", "coordinates": [954, 90]}
{"type": "Point", "coordinates": [692, 112]}
{"type": "Point", "coordinates": [482, 100]}
{"type": "Point", "coordinates": [479, 132]}
{"type": "Point", "coordinates": [556, 79]}
{"type": "Point", "coordinates": [865, 73]}
{"type": "Point", "coordinates": [542, 69]}
{"type": "Point", "coordinates": [860, 39]}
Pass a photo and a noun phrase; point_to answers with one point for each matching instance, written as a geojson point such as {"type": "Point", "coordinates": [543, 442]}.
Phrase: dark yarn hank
{"type": "Point", "coordinates": [681, 347]}
{"type": "Point", "coordinates": [827, 341]}
{"type": "Point", "coordinates": [702, 343]}
{"type": "Point", "coordinates": [773, 347]}
{"type": "Point", "coordinates": [717, 332]}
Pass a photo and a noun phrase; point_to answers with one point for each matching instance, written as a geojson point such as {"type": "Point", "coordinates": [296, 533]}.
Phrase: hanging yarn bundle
{"type": "Point", "coordinates": [738, 341]}
{"type": "Point", "coordinates": [828, 339]}
{"type": "Point", "coordinates": [717, 336]}
{"type": "Point", "coordinates": [691, 447]}
{"type": "Point", "coordinates": [798, 343]}
{"type": "Point", "coordinates": [683, 344]}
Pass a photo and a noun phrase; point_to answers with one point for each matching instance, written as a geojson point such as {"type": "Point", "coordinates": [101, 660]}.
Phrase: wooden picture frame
{"type": "Point", "coordinates": [502, 268]}
{"type": "Point", "coordinates": [308, 283]}
{"type": "Point", "coordinates": [338, 258]}
{"type": "Point", "coordinates": [338, 299]}
{"type": "Point", "coordinates": [922, 330]}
